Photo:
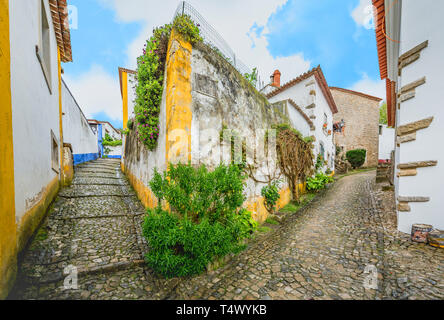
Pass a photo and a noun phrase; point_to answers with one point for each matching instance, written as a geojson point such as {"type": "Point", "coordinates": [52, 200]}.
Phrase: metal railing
{"type": "Point", "coordinates": [213, 38]}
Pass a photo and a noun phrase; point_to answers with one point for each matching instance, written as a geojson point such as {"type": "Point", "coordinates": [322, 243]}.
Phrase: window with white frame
{"type": "Point", "coordinates": [43, 49]}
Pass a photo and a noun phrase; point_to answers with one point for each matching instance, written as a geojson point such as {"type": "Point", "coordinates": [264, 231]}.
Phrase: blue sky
{"type": "Point", "coordinates": [291, 35]}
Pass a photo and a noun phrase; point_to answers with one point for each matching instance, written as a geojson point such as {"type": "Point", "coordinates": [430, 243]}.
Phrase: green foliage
{"type": "Point", "coordinates": [110, 142]}
{"type": "Point", "coordinates": [150, 76]}
{"type": "Point", "coordinates": [130, 124]}
{"type": "Point", "coordinates": [247, 225]}
{"type": "Point", "coordinates": [272, 220]}
{"type": "Point", "coordinates": [319, 162]}
{"type": "Point", "coordinates": [206, 220]}
{"type": "Point", "coordinates": [356, 157]}
{"type": "Point", "coordinates": [199, 193]}
{"type": "Point", "coordinates": [179, 247]}
{"type": "Point", "coordinates": [318, 182]}
{"type": "Point", "coordinates": [252, 77]}
{"type": "Point", "coordinates": [271, 196]}
{"type": "Point", "coordinates": [383, 114]}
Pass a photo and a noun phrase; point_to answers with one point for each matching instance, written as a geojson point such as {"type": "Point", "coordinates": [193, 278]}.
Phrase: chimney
{"type": "Point", "coordinates": [276, 79]}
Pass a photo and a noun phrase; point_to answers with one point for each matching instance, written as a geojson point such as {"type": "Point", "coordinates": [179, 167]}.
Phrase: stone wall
{"type": "Point", "coordinates": [361, 117]}
{"type": "Point", "coordinates": [203, 94]}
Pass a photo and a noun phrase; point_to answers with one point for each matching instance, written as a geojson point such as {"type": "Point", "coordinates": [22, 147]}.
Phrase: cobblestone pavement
{"type": "Point", "coordinates": [95, 226]}
{"type": "Point", "coordinates": [322, 253]}
{"type": "Point", "coordinates": [319, 253]}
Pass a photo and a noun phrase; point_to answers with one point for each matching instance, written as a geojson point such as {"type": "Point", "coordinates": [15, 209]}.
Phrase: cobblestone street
{"type": "Point", "coordinates": [319, 253]}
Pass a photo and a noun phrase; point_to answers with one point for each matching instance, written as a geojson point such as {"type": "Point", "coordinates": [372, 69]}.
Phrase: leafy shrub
{"type": "Point", "coordinates": [110, 142]}
{"type": "Point", "coordinates": [130, 124]}
{"type": "Point", "coordinates": [318, 182]}
{"type": "Point", "coordinates": [319, 162]}
{"type": "Point", "coordinates": [150, 75]}
{"type": "Point", "coordinates": [271, 196]}
{"type": "Point", "coordinates": [252, 77]}
{"type": "Point", "coordinates": [206, 219]}
{"type": "Point", "coordinates": [356, 157]}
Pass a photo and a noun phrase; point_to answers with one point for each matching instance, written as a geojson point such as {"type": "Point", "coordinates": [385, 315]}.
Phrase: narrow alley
{"type": "Point", "coordinates": [319, 253]}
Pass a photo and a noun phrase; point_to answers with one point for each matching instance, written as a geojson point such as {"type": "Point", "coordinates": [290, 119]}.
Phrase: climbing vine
{"type": "Point", "coordinates": [295, 155]}
{"type": "Point", "coordinates": [150, 76]}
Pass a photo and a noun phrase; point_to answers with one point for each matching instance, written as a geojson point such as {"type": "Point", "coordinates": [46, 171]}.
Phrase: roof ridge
{"type": "Point", "coordinates": [365, 95]}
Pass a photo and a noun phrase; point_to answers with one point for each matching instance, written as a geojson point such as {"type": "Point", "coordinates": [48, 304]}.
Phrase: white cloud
{"type": "Point", "coordinates": [369, 86]}
{"type": "Point", "coordinates": [97, 91]}
{"type": "Point", "coordinates": [242, 15]}
{"type": "Point", "coordinates": [363, 14]}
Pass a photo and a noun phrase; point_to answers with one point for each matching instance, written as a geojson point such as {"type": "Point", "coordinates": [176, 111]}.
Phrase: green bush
{"type": "Point", "coordinates": [206, 219]}
{"type": "Point", "coordinates": [318, 182]}
{"type": "Point", "coordinates": [356, 157]}
{"type": "Point", "coordinates": [271, 196]}
{"type": "Point", "coordinates": [110, 142]}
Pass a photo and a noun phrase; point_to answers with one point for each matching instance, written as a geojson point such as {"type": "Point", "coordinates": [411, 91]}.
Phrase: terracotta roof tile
{"type": "Point", "coordinates": [60, 20]}
{"type": "Point", "coordinates": [380, 36]}
{"type": "Point", "coordinates": [319, 75]}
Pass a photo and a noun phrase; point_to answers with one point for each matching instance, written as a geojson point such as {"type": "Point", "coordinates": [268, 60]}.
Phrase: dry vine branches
{"type": "Point", "coordinates": [295, 159]}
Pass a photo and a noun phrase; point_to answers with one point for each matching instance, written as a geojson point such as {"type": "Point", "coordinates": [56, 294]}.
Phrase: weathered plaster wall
{"type": "Point", "coordinates": [426, 102]}
{"type": "Point", "coordinates": [361, 117]}
{"type": "Point", "coordinates": [202, 91]}
{"type": "Point", "coordinates": [8, 240]}
{"type": "Point", "coordinates": [221, 96]}
{"type": "Point", "coordinates": [76, 130]}
{"type": "Point", "coordinates": [35, 114]}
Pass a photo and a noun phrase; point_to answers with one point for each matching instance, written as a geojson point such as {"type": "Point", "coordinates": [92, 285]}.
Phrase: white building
{"type": "Point", "coordinates": [312, 109]}
{"type": "Point", "coordinates": [76, 130]}
{"type": "Point", "coordinates": [410, 47]}
{"type": "Point", "coordinates": [101, 129]}
{"type": "Point", "coordinates": [386, 142]}
{"type": "Point", "coordinates": [34, 40]}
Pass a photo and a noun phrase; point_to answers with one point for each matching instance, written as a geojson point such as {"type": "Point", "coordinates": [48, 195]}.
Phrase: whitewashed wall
{"type": "Point", "coordinates": [386, 142]}
{"type": "Point", "coordinates": [107, 128]}
{"type": "Point", "coordinates": [76, 129]}
{"type": "Point", "coordinates": [421, 21]}
{"type": "Point", "coordinates": [35, 110]}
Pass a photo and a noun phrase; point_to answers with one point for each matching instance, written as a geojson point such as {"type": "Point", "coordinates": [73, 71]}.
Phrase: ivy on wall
{"type": "Point", "coordinates": [150, 76]}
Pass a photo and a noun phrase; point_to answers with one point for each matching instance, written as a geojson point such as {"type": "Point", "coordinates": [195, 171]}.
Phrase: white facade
{"type": "Point", "coordinates": [309, 97]}
{"type": "Point", "coordinates": [386, 142]}
{"type": "Point", "coordinates": [76, 130]}
{"type": "Point", "coordinates": [418, 27]}
{"type": "Point", "coordinates": [35, 103]}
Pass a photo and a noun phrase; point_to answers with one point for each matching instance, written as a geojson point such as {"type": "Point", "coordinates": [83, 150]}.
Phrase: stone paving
{"type": "Point", "coordinates": [319, 253]}
{"type": "Point", "coordinates": [322, 252]}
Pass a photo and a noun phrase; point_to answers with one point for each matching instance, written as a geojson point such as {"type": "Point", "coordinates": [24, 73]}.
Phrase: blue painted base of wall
{"type": "Point", "coordinates": [113, 157]}
{"type": "Point", "coordinates": [81, 158]}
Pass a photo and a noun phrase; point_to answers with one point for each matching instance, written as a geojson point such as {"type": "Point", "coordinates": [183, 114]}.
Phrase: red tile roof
{"type": "Point", "coordinates": [60, 20]}
{"type": "Point", "coordinates": [319, 75]}
{"type": "Point", "coordinates": [357, 93]}
{"type": "Point", "coordinates": [381, 36]}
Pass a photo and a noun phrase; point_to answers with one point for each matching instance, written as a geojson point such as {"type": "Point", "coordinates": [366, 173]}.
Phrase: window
{"type": "Point", "coordinates": [381, 128]}
{"type": "Point", "coordinates": [54, 153]}
{"type": "Point", "coordinates": [43, 49]}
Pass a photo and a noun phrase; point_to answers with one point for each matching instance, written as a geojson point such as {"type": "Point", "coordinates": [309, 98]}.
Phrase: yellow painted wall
{"type": "Point", "coordinates": [178, 99]}
{"type": "Point", "coordinates": [8, 241]}
{"type": "Point", "coordinates": [143, 192]}
{"type": "Point", "coordinates": [125, 98]}
{"type": "Point", "coordinates": [257, 207]}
